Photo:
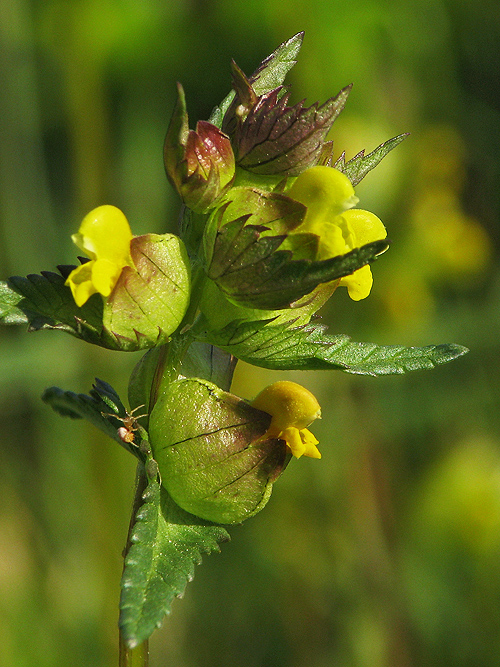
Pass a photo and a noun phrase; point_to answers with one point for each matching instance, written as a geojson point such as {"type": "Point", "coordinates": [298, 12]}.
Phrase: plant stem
{"type": "Point", "coordinates": [134, 657]}
{"type": "Point", "coordinates": [139, 655]}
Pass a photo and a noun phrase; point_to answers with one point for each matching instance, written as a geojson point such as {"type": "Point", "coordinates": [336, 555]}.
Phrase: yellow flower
{"type": "Point", "coordinates": [104, 236]}
{"type": "Point", "coordinates": [292, 408]}
{"type": "Point", "coordinates": [329, 197]}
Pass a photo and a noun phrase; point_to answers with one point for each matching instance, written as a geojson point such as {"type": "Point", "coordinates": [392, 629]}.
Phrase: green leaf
{"type": "Point", "coordinates": [98, 408]}
{"type": "Point", "coordinates": [358, 166]}
{"type": "Point", "coordinates": [166, 544]}
{"type": "Point", "coordinates": [44, 302]}
{"type": "Point", "coordinates": [307, 347]}
{"type": "Point", "coordinates": [251, 271]}
{"type": "Point", "coordinates": [272, 71]}
{"type": "Point", "coordinates": [10, 313]}
{"type": "Point", "coordinates": [145, 307]}
{"type": "Point", "coordinates": [270, 74]}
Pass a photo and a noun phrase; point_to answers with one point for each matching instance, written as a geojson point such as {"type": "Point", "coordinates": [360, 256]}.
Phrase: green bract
{"type": "Point", "coordinates": [149, 300]}
{"type": "Point", "coordinates": [210, 452]}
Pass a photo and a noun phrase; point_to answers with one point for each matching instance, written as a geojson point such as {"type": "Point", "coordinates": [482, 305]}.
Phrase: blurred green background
{"type": "Point", "coordinates": [386, 553]}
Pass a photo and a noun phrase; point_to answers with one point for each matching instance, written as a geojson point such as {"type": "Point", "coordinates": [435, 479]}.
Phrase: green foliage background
{"type": "Point", "coordinates": [386, 553]}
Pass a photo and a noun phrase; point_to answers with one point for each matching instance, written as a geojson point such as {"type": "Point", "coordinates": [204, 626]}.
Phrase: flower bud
{"type": "Point", "coordinates": [199, 164]}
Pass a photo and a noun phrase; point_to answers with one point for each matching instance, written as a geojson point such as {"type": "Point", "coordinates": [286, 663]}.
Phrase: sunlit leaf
{"type": "Point", "coordinates": [166, 544]}
{"type": "Point", "coordinates": [270, 74]}
{"type": "Point", "coordinates": [357, 167]}
{"type": "Point", "coordinates": [308, 347]}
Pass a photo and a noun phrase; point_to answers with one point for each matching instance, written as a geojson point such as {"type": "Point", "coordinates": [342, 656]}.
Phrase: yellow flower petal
{"type": "Point", "coordinates": [291, 436]}
{"type": "Point", "coordinates": [359, 283]}
{"type": "Point", "coordinates": [105, 237]}
{"type": "Point", "coordinates": [329, 196]}
{"type": "Point", "coordinates": [292, 408]}
{"type": "Point", "coordinates": [310, 443]}
{"type": "Point", "coordinates": [105, 275]}
{"type": "Point", "coordinates": [105, 234]}
{"type": "Point", "coordinates": [325, 191]}
{"type": "Point", "coordinates": [80, 282]}
{"type": "Point", "coordinates": [365, 226]}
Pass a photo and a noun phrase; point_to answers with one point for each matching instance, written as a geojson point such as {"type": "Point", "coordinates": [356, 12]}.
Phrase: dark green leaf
{"type": "Point", "coordinates": [251, 271]}
{"type": "Point", "coordinates": [270, 74]}
{"type": "Point", "coordinates": [166, 544]}
{"type": "Point", "coordinates": [44, 302]}
{"type": "Point", "coordinates": [274, 138]}
{"type": "Point", "coordinates": [99, 409]}
{"type": "Point", "coordinates": [358, 166]}
{"type": "Point", "coordinates": [284, 347]}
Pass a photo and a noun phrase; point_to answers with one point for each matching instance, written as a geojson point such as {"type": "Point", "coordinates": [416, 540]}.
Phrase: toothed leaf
{"type": "Point", "coordinates": [166, 544]}
{"type": "Point", "coordinates": [270, 74]}
{"type": "Point", "coordinates": [99, 408]}
{"type": "Point", "coordinates": [358, 166]}
{"type": "Point", "coordinates": [284, 347]}
{"type": "Point", "coordinates": [274, 138]}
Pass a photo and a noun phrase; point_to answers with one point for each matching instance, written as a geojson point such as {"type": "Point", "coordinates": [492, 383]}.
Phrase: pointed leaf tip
{"type": "Point", "coordinates": [166, 544]}
{"type": "Point", "coordinates": [357, 167]}
{"type": "Point", "coordinates": [308, 347]}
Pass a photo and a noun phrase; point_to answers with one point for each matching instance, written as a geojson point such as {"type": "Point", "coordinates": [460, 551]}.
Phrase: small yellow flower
{"type": "Point", "coordinates": [104, 236]}
{"type": "Point", "coordinates": [329, 197]}
{"type": "Point", "coordinates": [292, 408]}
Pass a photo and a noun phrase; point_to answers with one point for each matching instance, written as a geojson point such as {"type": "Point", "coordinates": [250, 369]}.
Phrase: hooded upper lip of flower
{"type": "Point", "coordinates": [292, 408]}
{"type": "Point", "coordinates": [329, 197]}
{"type": "Point", "coordinates": [104, 236]}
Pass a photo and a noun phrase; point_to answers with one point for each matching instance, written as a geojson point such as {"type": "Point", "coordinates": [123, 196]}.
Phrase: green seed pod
{"type": "Point", "coordinates": [211, 453]}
